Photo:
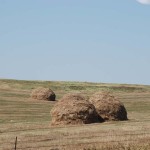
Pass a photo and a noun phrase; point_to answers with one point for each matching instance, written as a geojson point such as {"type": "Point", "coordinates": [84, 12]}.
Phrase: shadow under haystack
{"type": "Point", "coordinates": [43, 94]}
{"type": "Point", "coordinates": [74, 109]}
{"type": "Point", "coordinates": [108, 106]}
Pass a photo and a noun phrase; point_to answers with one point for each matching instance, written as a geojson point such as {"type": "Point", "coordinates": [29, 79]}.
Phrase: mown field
{"type": "Point", "coordinates": [29, 119]}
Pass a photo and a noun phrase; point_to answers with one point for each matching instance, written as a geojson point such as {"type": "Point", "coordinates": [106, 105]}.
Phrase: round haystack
{"type": "Point", "coordinates": [74, 109]}
{"type": "Point", "coordinates": [108, 107]}
{"type": "Point", "coordinates": [43, 94]}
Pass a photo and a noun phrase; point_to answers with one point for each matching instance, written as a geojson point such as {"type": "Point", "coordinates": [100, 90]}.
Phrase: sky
{"type": "Point", "coordinates": [100, 41]}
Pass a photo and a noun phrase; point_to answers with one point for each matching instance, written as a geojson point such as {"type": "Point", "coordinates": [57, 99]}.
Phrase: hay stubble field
{"type": "Point", "coordinates": [29, 119]}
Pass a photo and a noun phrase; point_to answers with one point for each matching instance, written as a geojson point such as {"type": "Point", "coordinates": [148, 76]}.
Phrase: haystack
{"type": "Point", "coordinates": [108, 106]}
{"type": "Point", "coordinates": [74, 109]}
{"type": "Point", "coordinates": [43, 94]}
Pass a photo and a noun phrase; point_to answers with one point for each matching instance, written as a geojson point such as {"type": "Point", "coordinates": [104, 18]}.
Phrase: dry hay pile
{"type": "Point", "coordinates": [108, 107]}
{"type": "Point", "coordinates": [74, 109]}
{"type": "Point", "coordinates": [43, 94]}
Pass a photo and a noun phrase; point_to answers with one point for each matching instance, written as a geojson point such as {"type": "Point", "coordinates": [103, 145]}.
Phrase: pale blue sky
{"type": "Point", "coordinates": [76, 40]}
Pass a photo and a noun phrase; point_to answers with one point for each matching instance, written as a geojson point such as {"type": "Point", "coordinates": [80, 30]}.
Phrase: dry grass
{"type": "Point", "coordinates": [29, 120]}
{"type": "Point", "coordinates": [108, 106]}
{"type": "Point", "coordinates": [74, 109]}
{"type": "Point", "coordinates": [43, 94]}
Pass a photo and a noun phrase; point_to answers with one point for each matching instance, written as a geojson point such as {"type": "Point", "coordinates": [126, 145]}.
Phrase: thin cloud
{"type": "Point", "coordinates": [146, 2]}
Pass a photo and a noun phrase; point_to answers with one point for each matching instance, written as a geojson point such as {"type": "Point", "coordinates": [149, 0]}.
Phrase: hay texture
{"type": "Point", "coordinates": [108, 107]}
{"type": "Point", "coordinates": [74, 109]}
{"type": "Point", "coordinates": [43, 94]}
